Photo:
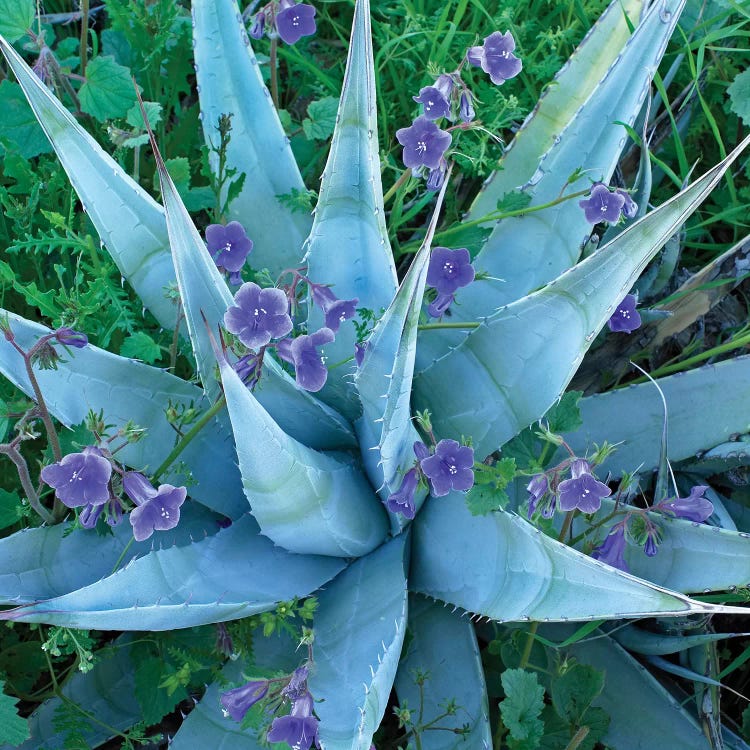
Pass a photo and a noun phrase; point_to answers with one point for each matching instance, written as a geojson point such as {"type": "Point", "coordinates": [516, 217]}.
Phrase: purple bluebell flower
{"type": "Point", "coordinates": [309, 366]}
{"type": "Point", "coordinates": [336, 310]}
{"type": "Point", "coordinates": [630, 207]}
{"type": "Point", "coordinates": [247, 368]}
{"type": "Point", "coordinates": [496, 57]}
{"type": "Point", "coordinates": [295, 21]}
{"type": "Point", "coordinates": [537, 489]}
{"type": "Point", "coordinates": [694, 507]}
{"type": "Point", "coordinates": [224, 643]}
{"type": "Point", "coordinates": [297, 686]}
{"type": "Point", "coordinates": [449, 270]}
{"type": "Point", "coordinates": [626, 318]}
{"type": "Point", "coordinates": [80, 478]}
{"type": "Point", "coordinates": [360, 348]}
{"type": "Point", "coordinates": [299, 729]}
{"type": "Point", "coordinates": [69, 337]}
{"type": "Point", "coordinates": [402, 501]}
{"type": "Point", "coordinates": [549, 508]}
{"type": "Point", "coordinates": [258, 315]}
{"type": "Point", "coordinates": [436, 99]}
{"type": "Point", "coordinates": [466, 109]}
{"type": "Point", "coordinates": [650, 547]}
{"type": "Point", "coordinates": [449, 468]}
{"type": "Point", "coordinates": [436, 177]}
{"type": "Point", "coordinates": [238, 701]}
{"type": "Point", "coordinates": [424, 143]}
{"type": "Point", "coordinates": [437, 308]}
{"type": "Point", "coordinates": [421, 451]}
{"type": "Point", "coordinates": [228, 245]}
{"type": "Point", "coordinates": [89, 515]}
{"type": "Point", "coordinates": [602, 205]}
{"type": "Point", "coordinates": [156, 510]}
{"type": "Point", "coordinates": [582, 491]}
{"type": "Point", "coordinates": [259, 26]}
{"type": "Point", "coordinates": [612, 549]}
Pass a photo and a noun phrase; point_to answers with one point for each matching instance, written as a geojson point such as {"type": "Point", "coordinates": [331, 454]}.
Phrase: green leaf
{"type": "Point", "coordinates": [488, 492]}
{"type": "Point", "coordinates": [16, 18]}
{"type": "Point", "coordinates": [565, 416]}
{"type": "Point", "coordinates": [18, 124]}
{"type": "Point", "coordinates": [153, 113]}
{"type": "Point", "coordinates": [10, 509]}
{"type": "Point", "coordinates": [13, 729]}
{"type": "Point", "coordinates": [739, 96]}
{"type": "Point", "coordinates": [155, 701]}
{"type": "Point", "coordinates": [513, 201]}
{"type": "Point", "coordinates": [574, 690]}
{"type": "Point", "coordinates": [521, 707]}
{"type": "Point", "coordinates": [321, 119]}
{"type": "Point", "coordinates": [109, 90]}
{"type": "Point", "coordinates": [141, 346]}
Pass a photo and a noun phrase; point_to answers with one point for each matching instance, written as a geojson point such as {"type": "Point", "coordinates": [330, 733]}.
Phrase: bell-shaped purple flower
{"type": "Point", "coordinates": [237, 702]}
{"type": "Point", "coordinates": [496, 57]}
{"type": "Point", "coordinates": [259, 26]}
{"type": "Point", "coordinates": [309, 365]}
{"type": "Point", "coordinates": [449, 270]}
{"type": "Point", "coordinates": [436, 99]}
{"type": "Point", "coordinates": [650, 547]}
{"type": "Point", "coordinates": [602, 205]}
{"type": "Point", "coordinates": [360, 349]}
{"type": "Point", "coordinates": [247, 368]}
{"type": "Point", "coordinates": [69, 337]}
{"type": "Point", "coordinates": [295, 21]}
{"type": "Point", "coordinates": [436, 177]}
{"type": "Point", "coordinates": [466, 109]}
{"type": "Point", "coordinates": [80, 478]}
{"type": "Point", "coordinates": [336, 310]}
{"type": "Point", "coordinates": [630, 207]}
{"type": "Point", "coordinates": [537, 489]}
{"type": "Point", "coordinates": [424, 143]}
{"type": "Point", "coordinates": [583, 491]}
{"type": "Point", "coordinates": [437, 308]}
{"type": "Point", "coordinates": [228, 245]}
{"type": "Point", "coordinates": [299, 729]}
{"type": "Point", "coordinates": [626, 318]}
{"type": "Point", "coordinates": [402, 501]}
{"type": "Point", "coordinates": [449, 468]}
{"type": "Point", "coordinates": [258, 315]}
{"type": "Point", "coordinates": [694, 507]}
{"type": "Point", "coordinates": [612, 549]}
{"type": "Point", "coordinates": [296, 688]}
{"type": "Point", "coordinates": [157, 510]}
{"type": "Point", "coordinates": [421, 451]}
{"type": "Point", "coordinates": [89, 515]}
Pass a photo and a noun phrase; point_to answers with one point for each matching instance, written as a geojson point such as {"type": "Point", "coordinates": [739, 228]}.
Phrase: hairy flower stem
{"type": "Point", "coordinates": [578, 738]}
{"type": "Point", "coordinates": [405, 175]}
{"type": "Point", "coordinates": [23, 474]}
{"type": "Point", "coordinates": [188, 437]}
{"type": "Point", "coordinates": [84, 35]}
{"type": "Point", "coordinates": [54, 441]}
{"type": "Point", "coordinates": [274, 73]}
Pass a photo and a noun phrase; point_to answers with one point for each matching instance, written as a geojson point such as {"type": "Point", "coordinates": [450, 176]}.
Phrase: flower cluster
{"type": "Point", "coordinates": [447, 272]}
{"type": "Point", "coordinates": [259, 315]}
{"type": "Point", "coordinates": [299, 729]}
{"type": "Point", "coordinates": [425, 144]}
{"type": "Point", "coordinates": [84, 480]}
{"type": "Point", "coordinates": [285, 19]}
{"type": "Point", "coordinates": [605, 205]}
{"type": "Point", "coordinates": [449, 468]}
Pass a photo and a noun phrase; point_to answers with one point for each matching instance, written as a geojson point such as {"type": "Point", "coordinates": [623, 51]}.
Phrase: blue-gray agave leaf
{"type": "Point", "coordinates": [531, 250]}
{"type": "Point", "coordinates": [206, 726]}
{"type": "Point", "coordinates": [518, 361]}
{"type": "Point", "coordinates": [306, 501]}
{"type": "Point", "coordinates": [348, 246]}
{"type": "Point", "coordinates": [501, 567]}
{"type": "Point", "coordinates": [230, 82]}
{"type": "Point", "coordinates": [721, 390]}
{"type": "Point", "coordinates": [129, 222]}
{"type": "Point", "coordinates": [233, 574]}
{"type": "Point", "coordinates": [106, 692]}
{"type": "Point", "coordinates": [649, 643]}
{"type": "Point", "coordinates": [125, 390]}
{"type": "Point", "coordinates": [358, 639]}
{"type": "Point", "coordinates": [443, 646]}
{"type": "Point", "coordinates": [43, 563]}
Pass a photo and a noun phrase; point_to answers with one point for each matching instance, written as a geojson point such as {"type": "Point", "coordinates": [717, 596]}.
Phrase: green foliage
{"type": "Point", "coordinates": [488, 492]}
{"type": "Point", "coordinates": [739, 96]}
{"type": "Point", "coordinates": [13, 729]}
{"type": "Point", "coordinates": [16, 18]}
{"type": "Point", "coordinates": [321, 118]}
{"type": "Point", "coordinates": [108, 91]}
{"type": "Point", "coordinates": [141, 346]}
{"type": "Point", "coordinates": [521, 709]}
{"type": "Point", "coordinates": [19, 127]}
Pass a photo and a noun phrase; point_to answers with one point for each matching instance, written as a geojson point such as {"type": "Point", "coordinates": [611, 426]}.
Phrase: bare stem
{"type": "Point", "coordinates": [84, 35]}
{"type": "Point", "coordinates": [23, 474]}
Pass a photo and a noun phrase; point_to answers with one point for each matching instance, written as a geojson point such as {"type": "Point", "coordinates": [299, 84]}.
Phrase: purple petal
{"type": "Point", "coordinates": [292, 23]}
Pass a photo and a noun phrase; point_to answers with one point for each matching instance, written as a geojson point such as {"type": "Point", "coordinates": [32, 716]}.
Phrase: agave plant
{"type": "Point", "coordinates": [303, 476]}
